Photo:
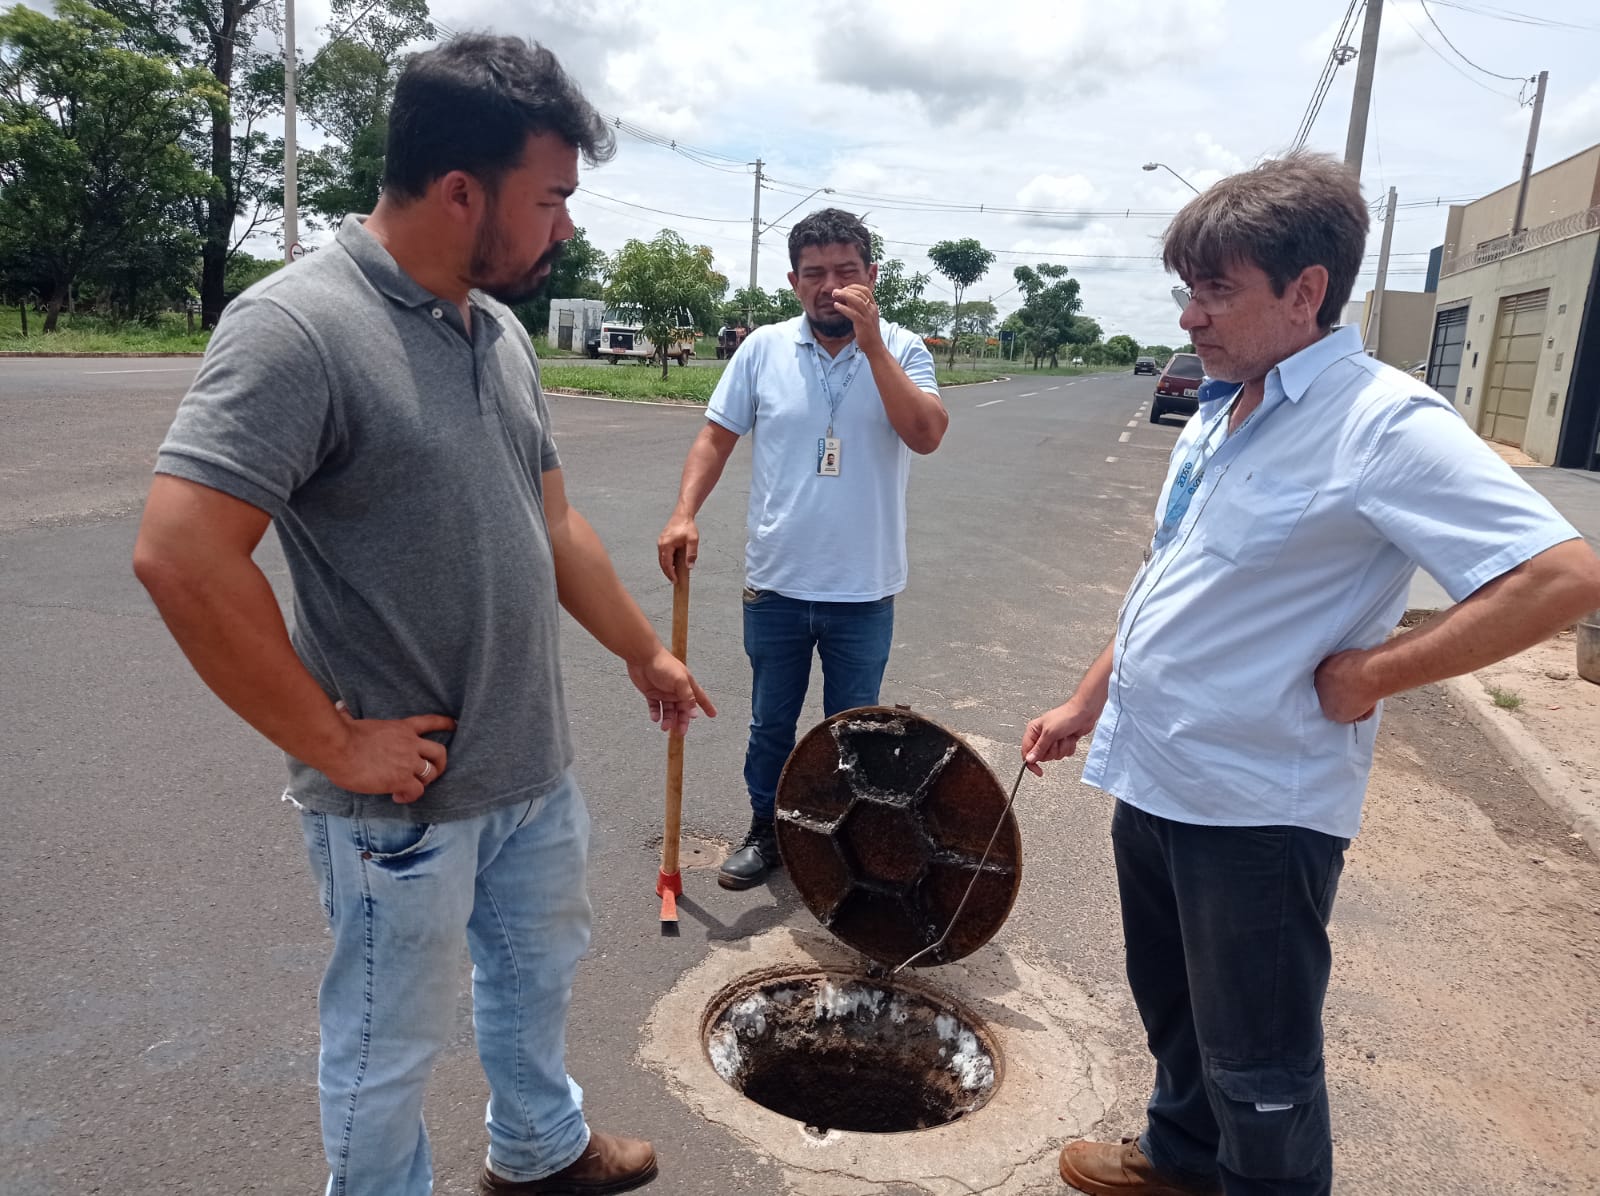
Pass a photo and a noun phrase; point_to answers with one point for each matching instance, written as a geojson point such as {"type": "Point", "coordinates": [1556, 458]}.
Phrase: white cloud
{"type": "Point", "coordinates": [1042, 103]}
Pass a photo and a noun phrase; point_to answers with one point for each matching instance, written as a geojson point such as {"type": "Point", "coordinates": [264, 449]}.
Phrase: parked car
{"type": "Point", "coordinates": [1146, 365]}
{"type": "Point", "coordinates": [591, 343]}
{"type": "Point", "coordinates": [1177, 388]}
{"type": "Point", "coordinates": [622, 337]}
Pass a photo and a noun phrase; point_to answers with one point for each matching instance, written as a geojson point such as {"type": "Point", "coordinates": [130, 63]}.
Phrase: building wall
{"type": "Point", "coordinates": [1407, 326]}
{"type": "Point", "coordinates": [586, 316]}
{"type": "Point", "coordinates": [1564, 268]}
{"type": "Point", "coordinates": [1572, 185]}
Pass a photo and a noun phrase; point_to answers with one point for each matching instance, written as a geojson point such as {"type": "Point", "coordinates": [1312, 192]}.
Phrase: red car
{"type": "Point", "coordinates": [1177, 387]}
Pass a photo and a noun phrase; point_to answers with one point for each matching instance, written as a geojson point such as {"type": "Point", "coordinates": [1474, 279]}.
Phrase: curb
{"type": "Point", "coordinates": [25, 353]}
{"type": "Point", "coordinates": [1538, 765]}
{"type": "Point", "coordinates": [685, 404]}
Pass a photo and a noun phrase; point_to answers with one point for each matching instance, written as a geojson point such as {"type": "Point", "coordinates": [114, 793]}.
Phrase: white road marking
{"type": "Point", "coordinates": [992, 402]}
{"type": "Point", "coordinates": [1124, 438]}
{"type": "Point", "coordinates": [1054, 388]}
{"type": "Point", "coordinates": [1027, 394]}
{"type": "Point", "coordinates": [1133, 423]}
{"type": "Point", "coordinates": [1111, 460]}
{"type": "Point", "coordinates": [166, 369]}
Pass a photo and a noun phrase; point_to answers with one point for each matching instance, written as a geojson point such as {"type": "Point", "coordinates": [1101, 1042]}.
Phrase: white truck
{"type": "Point", "coordinates": [621, 338]}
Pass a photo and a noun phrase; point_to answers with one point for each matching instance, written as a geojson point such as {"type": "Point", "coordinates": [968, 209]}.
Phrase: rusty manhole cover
{"type": "Point", "coordinates": [882, 819]}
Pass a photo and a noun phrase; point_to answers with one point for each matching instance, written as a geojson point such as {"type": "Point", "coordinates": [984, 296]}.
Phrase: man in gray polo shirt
{"type": "Point", "coordinates": [380, 408]}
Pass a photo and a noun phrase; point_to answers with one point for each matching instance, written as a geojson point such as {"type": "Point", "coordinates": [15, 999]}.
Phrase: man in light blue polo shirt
{"type": "Point", "coordinates": [836, 401]}
{"type": "Point", "coordinates": [1235, 710]}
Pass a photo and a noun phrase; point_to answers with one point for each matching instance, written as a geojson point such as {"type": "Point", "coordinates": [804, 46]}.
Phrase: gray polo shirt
{"type": "Point", "coordinates": [402, 465]}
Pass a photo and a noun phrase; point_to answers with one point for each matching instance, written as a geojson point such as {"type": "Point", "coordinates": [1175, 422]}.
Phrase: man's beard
{"type": "Point", "coordinates": [833, 326]}
{"type": "Point", "coordinates": [488, 251]}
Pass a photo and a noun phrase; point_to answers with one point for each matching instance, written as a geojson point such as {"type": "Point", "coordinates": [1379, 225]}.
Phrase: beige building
{"type": "Point", "coordinates": [1406, 323]}
{"type": "Point", "coordinates": [1515, 341]}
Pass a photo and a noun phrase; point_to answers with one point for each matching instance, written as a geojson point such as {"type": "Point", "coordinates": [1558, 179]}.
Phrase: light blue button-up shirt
{"type": "Point", "coordinates": [811, 537]}
{"type": "Point", "coordinates": [1300, 542]}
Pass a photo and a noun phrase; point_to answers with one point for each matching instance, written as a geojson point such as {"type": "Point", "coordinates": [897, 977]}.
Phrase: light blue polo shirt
{"type": "Point", "coordinates": [1299, 542]}
{"type": "Point", "coordinates": [810, 537]}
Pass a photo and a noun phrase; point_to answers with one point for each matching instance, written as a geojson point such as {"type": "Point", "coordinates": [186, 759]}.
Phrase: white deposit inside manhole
{"type": "Point", "coordinates": [835, 1051]}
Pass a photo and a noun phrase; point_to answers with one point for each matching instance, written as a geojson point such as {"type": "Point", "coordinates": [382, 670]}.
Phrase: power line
{"type": "Point", "coordinates": [662, 211]}
{"type": "Point", "coordinates": [1330, 67]}
{"type": "Point", "coordinates": [1512, 16]}
{"type": "Point", "coordinates": [1439, 54]}
{"type": "Point", "coordinates": [1427, 12]}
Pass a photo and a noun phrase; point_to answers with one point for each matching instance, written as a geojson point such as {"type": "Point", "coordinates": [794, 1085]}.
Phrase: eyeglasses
{"type": "Point", "coordinates": [1214, 298]}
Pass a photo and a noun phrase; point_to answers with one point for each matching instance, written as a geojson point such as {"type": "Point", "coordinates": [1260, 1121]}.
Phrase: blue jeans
{"type": "Point", "coordinates": [851, 638]}
{"type": "Point", "coordinates": [1226, 932]}
{"type": "Point", "coordinates": [401, 898]}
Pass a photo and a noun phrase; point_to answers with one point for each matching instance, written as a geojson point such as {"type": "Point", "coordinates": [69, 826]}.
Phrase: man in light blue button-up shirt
{"type": "Point", "coordinates": [1235, 710]}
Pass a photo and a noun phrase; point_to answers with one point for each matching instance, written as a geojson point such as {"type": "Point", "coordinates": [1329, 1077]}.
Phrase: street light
{"type": "Point", "coordinates": [1173, 173]}
{"type": "Point", "coordinates": [758, 230]}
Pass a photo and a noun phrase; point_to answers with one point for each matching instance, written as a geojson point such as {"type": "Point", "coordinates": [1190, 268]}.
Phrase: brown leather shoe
{"type": "Point", "coordinates": [608, 1164]}
{"type": "Point", "coordinates": [1103, 1169]}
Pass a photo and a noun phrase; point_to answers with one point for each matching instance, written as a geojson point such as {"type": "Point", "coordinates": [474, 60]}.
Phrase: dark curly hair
{"type": "Point", "coordinates": [830, 226]}
{"type": "Point", "coordinates": [471, 104]}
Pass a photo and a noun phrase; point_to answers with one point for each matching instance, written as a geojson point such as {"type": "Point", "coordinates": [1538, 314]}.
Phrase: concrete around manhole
{"type": "Point", "coordinates": [1054, 1082]}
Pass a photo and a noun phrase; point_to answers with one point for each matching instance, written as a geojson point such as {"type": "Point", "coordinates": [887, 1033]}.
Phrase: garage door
{"type": "Point", "coordinates": [1444, 357]}
{"type": "Point", "coordinates": [1513, 361]}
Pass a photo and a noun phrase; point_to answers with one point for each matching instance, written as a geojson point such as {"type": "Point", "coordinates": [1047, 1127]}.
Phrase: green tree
{"type": "Point", "coordinates": [936, 318]}
{"type": "Point", "coordinates": [245, 271]}
{"type": "Point", "coordinates": [785, 305]}
{"type": "Point", "coordinates": [1050, 307]}
{"type": "Point", "coordinates": [214, 36]}
{"type": "Point", "coordinates": [977, 318]}
{"type": "Point", "coordinates": [963, 263]}
{"type": "Point", "coordinates": [752, 304]}
{"type": "Point", "coordinates": [899, 293]}
{"type": "Point", "coordinates": [1122, 349]}
{"type": "Point", "coordinates": [1160, 354]}
{"type": "Point", "coordinates": [579, 273]}
{"type": "Point", "coordinates": [92, 177]}
{"type": "Point", "coordinates": [666, 286]}
{"type": "Point", "coordinates": [346, 90]}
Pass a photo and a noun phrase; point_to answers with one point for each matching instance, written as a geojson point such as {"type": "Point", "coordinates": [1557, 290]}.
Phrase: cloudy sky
{"type": "Point", "coordinates": [1045, 107]}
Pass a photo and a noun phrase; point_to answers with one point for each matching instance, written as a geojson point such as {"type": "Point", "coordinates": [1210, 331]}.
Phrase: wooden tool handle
{"type": "Point", "coordinates": [680, 649]}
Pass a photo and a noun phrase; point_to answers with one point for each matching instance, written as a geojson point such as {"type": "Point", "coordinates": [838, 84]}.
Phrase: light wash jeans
{"type": "Point", "coordinates": [399, 898]}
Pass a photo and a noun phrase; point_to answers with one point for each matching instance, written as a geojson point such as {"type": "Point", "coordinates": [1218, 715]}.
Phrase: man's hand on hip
{"type": "Point", "coordinates": [1343, 689]}
{"type": "Point", "coordinates": [671, 690]}
{"type": "Point", "coordinates": [390, 755]}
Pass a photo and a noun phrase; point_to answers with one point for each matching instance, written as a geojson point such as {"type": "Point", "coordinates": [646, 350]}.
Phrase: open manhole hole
{"type": "Point", "coordinates": [839, 1052]}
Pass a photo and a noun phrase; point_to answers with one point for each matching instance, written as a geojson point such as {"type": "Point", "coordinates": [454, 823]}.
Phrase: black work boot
{"type": "Point", "coordinates": [757, 856]}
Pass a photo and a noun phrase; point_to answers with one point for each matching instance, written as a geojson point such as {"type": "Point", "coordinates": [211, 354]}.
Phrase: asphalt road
{"type": "Point", "coordinates": [160, 943]}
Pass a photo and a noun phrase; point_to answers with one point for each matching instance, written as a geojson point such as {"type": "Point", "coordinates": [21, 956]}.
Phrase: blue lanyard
{"type": "Point", "coordinates": [1190, 474]}
{"type": "Point", "coordinates": [827, 389]}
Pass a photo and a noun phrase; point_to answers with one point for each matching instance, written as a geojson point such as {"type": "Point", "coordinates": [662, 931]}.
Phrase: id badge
{"type": "Point", "coordinates": [828, 456]}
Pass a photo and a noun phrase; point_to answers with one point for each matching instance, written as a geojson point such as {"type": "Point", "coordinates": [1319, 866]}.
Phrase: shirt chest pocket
{"type": "Point", "coordinates": [1249, 519]}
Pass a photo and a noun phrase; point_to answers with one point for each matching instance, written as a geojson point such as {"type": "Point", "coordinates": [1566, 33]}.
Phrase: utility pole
{"type": "Point", "coordinates": [291, 215]}
{"type": "Point", "coordinates": [1374, 327]}
{"type": "Point", "coordinates": [1527, 157]}
{"type": "Point", "coordinates": [755, 242]}
{"type": "Point", "coordinates": [1356, 141]}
